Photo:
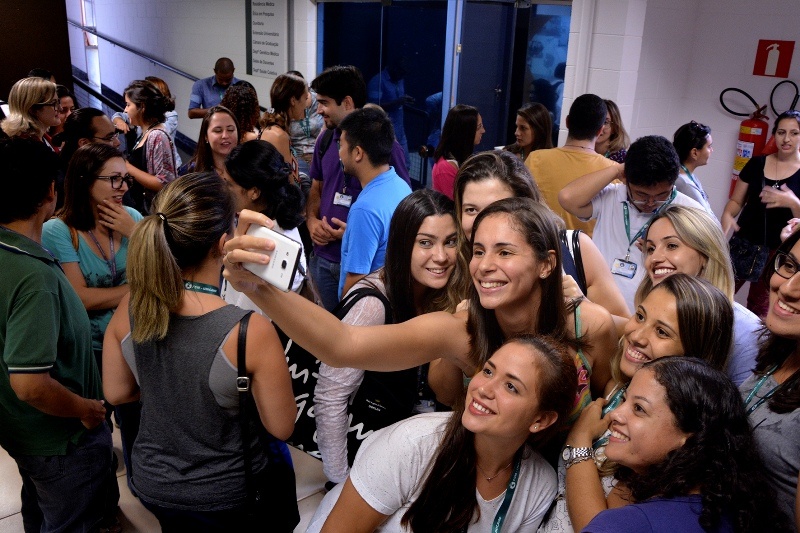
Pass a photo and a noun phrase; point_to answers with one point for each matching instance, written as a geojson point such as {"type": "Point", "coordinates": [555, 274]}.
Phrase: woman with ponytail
{"type": "Point", "coordinates": [173, 346]}
{"type": "Point", "coordinates": [151, 163]}
{"type": "Point", "coordinates": [289, 97]}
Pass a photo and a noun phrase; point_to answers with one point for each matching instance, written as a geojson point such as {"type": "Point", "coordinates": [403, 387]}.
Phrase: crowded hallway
{"type": "Point", "coordinates": [300, 285]}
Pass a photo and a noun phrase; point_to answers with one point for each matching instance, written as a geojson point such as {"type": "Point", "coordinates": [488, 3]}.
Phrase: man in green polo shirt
{"type": "Point", "coordinates": [51, 413]}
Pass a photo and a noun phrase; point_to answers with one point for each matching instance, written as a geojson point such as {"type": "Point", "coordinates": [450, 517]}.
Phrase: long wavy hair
{"type": "Point", "coordinates": [447, 501]}
{"type": "Point", "coordinates": [458, 134]}
{"type": "Point", "coordinates": [541, 123]}
{"type": "Point", "coordinates": [396, 275]}
{"type": "Point", "coordinates": [242, 101]}
{"type": "Point", "coordinates": [539, 226]}
{"type": "Point", "coordinates": [775, 349]}
{"type": "Point", "coordinates": [619, 138]}
{"type": "Point", "coordinates": [190, 216]}
{"type": "Point", "coordinates": [719, 458]}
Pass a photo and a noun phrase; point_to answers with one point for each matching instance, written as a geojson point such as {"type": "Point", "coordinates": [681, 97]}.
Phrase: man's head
{"type": "Point", "coordinates": [586, 117]}
{"type": "Point", "coordinates": [340, 91]}
{"type": "Point", "coordinates": [84, 126]}
{"type": "Point", "coordinates": [651, 168]}
{"type": "Point", "coordinates": [367, 139]}
{"type": "Point", "coordinates": [28, 170]}
{"type": "Point", "coordinates": [223, 71]}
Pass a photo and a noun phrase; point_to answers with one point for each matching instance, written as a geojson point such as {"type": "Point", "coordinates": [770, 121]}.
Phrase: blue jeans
{"type": "Point", "coordinates": [71, 492]}
{"type": "Point", "coordinates": [325, 275]}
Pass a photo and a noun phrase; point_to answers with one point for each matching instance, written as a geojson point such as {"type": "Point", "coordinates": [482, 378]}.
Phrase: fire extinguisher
{"type": "Point", "coordinates": [752, 135]}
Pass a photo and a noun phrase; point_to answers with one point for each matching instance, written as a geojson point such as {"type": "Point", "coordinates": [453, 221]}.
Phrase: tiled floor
{"type": "Point", "coordinates": [134, 517]}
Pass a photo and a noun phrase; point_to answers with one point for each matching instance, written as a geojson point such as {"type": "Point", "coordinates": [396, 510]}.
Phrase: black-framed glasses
{"type": "Point", "coordinates": [608, 122]}
{"type": "Point", "coordinates": [55, 104]}
{"type": "Point", "coordinates": [108, 138]}
{"type": "Point", "coordinates": [116, 181]}
{"type": "Point", "coordinates": [785, 266]}
{"type": "Point", "coordinates": [640, 199]}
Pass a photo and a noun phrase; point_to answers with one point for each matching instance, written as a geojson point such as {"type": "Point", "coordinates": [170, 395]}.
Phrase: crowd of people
{"type": "Point", "coordinates": [546, 340]}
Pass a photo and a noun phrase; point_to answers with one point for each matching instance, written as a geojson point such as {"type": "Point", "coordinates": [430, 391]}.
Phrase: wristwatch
{"type": "Point", "coordinates": [573, 456]}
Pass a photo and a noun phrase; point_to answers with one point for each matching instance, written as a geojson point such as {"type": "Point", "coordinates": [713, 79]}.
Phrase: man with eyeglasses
{"type": "Point", "coordinates": [83, 126]}
{"type": "Point", "coordinates": [623, 210]}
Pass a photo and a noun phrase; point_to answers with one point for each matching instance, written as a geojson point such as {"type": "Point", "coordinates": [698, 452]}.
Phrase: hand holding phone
{"type": "Point", "coordinates": [283, 260]}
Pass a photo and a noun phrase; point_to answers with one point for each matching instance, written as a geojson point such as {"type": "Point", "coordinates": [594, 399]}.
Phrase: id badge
{"type": "Point", "coordinates": [626, 269]}
{"type": "Point", "coordinates": [342, 199]}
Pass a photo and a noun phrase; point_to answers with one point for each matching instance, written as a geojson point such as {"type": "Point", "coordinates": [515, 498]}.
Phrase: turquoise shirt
{"type": "Point", "coordinates": [95, 270]}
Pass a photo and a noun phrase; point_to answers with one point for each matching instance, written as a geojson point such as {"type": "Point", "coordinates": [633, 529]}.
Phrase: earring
{"type": "Point", "coordinates": [536, 427]}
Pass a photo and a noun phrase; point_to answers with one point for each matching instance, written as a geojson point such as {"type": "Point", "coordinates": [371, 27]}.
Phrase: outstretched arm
{"type": "Point", "coordinates": [401, 346]}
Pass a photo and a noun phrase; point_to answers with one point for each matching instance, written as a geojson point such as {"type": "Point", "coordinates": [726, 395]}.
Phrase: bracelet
{"type": "Point", "coordinates": [578, 460]}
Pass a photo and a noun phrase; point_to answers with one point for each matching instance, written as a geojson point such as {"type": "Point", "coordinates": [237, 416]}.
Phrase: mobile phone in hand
{"type": "Point", "coordinates": [283, 260]}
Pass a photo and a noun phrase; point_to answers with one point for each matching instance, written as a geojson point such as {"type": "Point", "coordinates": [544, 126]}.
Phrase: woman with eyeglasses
{"type": "Point", "coordinates": [772, 394]}
{"type": "Point", "coordinates": [613, 141]}
{"type": "Point", "coordinates": [33, 108]}
{"type": "Point", "coordinates": [765, 198]}
{"type": "Point", "coordinates": [89, 235]}
{"type": "Point", "coordinates": [694, 145]}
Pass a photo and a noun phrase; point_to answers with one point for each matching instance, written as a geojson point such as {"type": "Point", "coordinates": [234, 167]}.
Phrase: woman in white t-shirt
{"type": "Point", "coordinates": [475, 469]}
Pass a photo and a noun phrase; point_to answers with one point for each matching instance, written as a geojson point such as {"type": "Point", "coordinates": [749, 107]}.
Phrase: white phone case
{"type": "Point", "coordinates": [283, 260]}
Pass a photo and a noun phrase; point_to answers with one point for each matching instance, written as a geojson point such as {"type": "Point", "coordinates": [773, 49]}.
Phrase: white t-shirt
{"type": "Point", "coordinates": [612, 240]}
{"type": "Point", "coordinates": [392, 464]}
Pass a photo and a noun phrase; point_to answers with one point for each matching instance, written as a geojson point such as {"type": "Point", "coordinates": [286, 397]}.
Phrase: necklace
{"type": "Point", "coordinates": [111, 262]}
{"type": "Point", "coordinates": [494, 476]}
{"type": "Point", "coordinates": [579, 146]}
{"type": "Point", "coordinates": [144, 133]}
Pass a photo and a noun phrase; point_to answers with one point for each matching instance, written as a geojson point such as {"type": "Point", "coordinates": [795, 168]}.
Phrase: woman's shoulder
{"type": "Point", "coordinates": [135, 215]}
{"type": "Point", "coordinates": [413, 432]}
{"type": "Point", "coordinates": [54, 226]}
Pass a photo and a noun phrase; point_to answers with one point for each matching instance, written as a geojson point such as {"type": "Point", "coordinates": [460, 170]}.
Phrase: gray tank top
{"type": "Point", "coordinates": [188, 454]}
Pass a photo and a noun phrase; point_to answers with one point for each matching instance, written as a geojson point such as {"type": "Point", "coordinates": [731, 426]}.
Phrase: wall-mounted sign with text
{"type": "Point", "coordinates": [773, 58]}
{"type": "Point", "coordinates": [267, 37]}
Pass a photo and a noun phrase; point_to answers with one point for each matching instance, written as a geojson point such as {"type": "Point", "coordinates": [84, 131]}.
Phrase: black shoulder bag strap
{"type": "Point", "coordinates": [243, 386]}
{"type": "Point", "coordinates": [327, 138]}
{"type": "Point", "coordinates": [576, 256]}
{"type": "Point", "coordinates": [354, 296]}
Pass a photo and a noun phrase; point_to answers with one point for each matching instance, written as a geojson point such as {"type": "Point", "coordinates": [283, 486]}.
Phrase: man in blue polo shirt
{"type": "Point", "coordinates": [51, 415]}
{"type": "Point", "coordinates": [340, 91]}
{"type": "Point", "coordinates": [365, 148]}
{"type": "Point", "coordinates": [208, 92]}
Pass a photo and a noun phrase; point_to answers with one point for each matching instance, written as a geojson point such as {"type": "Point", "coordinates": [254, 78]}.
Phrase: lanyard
{"type": "Point", "coordinates": [643, 229]}
{"type": "Point", "coordinates": [758, 386]}
{"type": "Point", "coordinates": [500, 517]}
{"type": "Point", "coordinates": [112, 262]}
{"type": "Point", "coordinates": [200, 287]}
{"type": "Point", "coordinates": [695, 182]}
{"type": "Point", "coordinates": [305, 124]}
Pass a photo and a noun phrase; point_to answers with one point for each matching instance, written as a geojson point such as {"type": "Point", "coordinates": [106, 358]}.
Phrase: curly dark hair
{"type": "Point", "coordinates": [243, 103]}
{"type": "Point", "coordinates": [719, 458]}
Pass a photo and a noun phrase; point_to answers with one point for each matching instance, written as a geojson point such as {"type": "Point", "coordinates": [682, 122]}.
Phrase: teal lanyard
{"type": "Point", "coordinates": [643, 229]}
{"type": "Point", "coordinates": [500, 517]}
{"type": "Point", "coordinates": [758, 386]}
{"type": "Point", "coordinates": [200, 287]}
{"type": "Point", "coordinates": [306, 125]}
{"type": "Point", "coordinates": [695, 183]}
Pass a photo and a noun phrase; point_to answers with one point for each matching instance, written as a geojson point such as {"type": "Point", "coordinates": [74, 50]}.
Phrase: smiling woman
{"type": "Point", "coordinates": [687, 455]}
{"type": "Point", "coordinates": [476, 469]}
{"type": "Point", "coordinates": [33, 108]}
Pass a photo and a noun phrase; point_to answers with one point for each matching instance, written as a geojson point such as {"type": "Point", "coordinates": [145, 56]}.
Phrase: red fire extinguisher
{"type": "Point", "coordinates": [751, 142]}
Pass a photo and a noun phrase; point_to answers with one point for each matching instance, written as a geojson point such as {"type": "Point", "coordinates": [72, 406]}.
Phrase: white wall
{"type": "Point", "coordinates": [190, 36]}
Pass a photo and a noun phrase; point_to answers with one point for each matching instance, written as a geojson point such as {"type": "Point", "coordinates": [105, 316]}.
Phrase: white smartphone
{"type": "Point", "coordinates": [283, 260]}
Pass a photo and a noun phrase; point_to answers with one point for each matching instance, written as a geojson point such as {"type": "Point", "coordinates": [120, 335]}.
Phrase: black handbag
{"type": "Point", "coordinates": [271, 493]}
{"type": "Point", "coordinates": [748, 259]}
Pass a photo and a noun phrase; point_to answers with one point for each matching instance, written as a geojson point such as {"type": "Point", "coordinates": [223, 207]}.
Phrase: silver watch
{"type": "Point", "coordinates": [573, 456]}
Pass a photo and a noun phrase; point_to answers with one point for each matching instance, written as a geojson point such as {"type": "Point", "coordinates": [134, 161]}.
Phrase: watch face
{"type": "Point", "coordinates": [566, 453]}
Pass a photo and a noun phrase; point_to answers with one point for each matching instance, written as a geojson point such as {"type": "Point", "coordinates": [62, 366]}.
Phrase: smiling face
{"type": "Point", "coordinates": [783, 317]}
{"type": "Point", "coordinates": [503, 398]}
{"type": "Point", "coordinates": [665, 253]}
{"type": "Point", "coordinates": [222, 135]}
{"type": "Point", "coordinates": [787, 136]}
{"type": "Point", "coordinates": [643, 428]}
{"type": "Point", "coordinates": [477, 195]}
{"type": "Point", "coordinates": [652, 332]}
{"type": "Point", "coordinates": [298, 106]}
{"type": "Point", "coordinates": [331, 112]}
{"type": "Point", "coordinates": [605, 133]}
{"type": "Point", "coordinates": [434, 254]}
{"type": "Point", "coordinates": [504, 267]}
{"type": "Point", "coordinates": [101, 189]}
{"type": "Point", "coordinates": [523, 133]}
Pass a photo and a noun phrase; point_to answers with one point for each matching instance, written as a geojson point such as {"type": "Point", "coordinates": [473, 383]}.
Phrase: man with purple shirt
{"type": "Point", "coordinates": [340, 91]}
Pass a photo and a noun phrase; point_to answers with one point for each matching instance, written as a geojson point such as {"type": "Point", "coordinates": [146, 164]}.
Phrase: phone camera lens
{"type": "Point", "coordinates": [283, 264]}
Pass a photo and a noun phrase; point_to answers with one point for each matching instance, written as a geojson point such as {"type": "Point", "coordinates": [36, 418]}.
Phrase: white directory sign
{"type": "Point", "coordinates": [268, 39]}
